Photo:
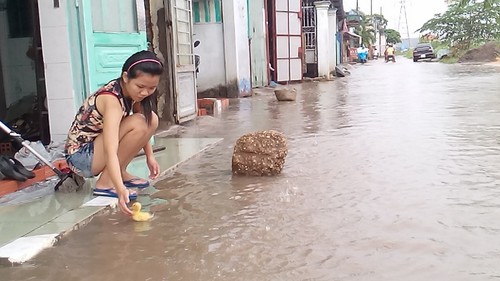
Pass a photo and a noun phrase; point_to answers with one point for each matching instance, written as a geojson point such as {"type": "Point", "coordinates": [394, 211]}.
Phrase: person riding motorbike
{"type": "Point", "coordinates": [362, 53]}
{"type": "Point", "coordinates": [389, 54]}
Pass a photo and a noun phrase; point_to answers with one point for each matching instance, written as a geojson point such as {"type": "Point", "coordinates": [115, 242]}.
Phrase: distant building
{"type": "Point", "coordinates": [405, 43]}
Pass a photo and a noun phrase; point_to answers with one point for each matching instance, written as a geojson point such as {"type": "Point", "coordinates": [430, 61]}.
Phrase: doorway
{"type": "Point", "coordinates": [22, 83]}
{"type": "Point", "coordinates": [285, 40]}
{"type": "Point", "coordinates": [165, 100]}
{"type": "Point", "coordinates": [271, 38]}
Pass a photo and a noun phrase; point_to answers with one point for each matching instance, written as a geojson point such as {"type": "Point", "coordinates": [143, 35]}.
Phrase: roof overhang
{"type": "Point", "coordinates": [352, 34]}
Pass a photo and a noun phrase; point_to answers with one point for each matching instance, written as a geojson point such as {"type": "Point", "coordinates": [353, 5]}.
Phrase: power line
{"type": "Point", "coordinates": [403, 20]}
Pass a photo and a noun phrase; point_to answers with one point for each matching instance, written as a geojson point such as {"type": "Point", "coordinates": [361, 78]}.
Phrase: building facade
{"type": "Point", "coordinates": [53, 54]}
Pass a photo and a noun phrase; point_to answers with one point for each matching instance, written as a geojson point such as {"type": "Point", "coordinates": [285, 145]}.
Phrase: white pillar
{"type": "Point", "coordinates": [322, 38]}
{"type": "Point", "coordinates": [332, 34]}
{"type": "Point", "coordinates": [57, 57]}
{"type": "Point", "coordinates": [236, 48]}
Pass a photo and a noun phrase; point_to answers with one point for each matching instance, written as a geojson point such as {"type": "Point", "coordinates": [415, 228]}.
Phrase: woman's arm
{"type": "Point", "coordinates": [111, 111]}
{"type": "Point", "coordinates": [148, 148]}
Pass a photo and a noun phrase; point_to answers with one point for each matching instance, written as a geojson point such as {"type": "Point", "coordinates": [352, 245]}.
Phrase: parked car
{"type": "Point", "coordinates": [423, 51]}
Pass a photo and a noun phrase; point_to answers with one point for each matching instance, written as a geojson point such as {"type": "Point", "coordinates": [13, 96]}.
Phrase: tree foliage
{"type": "Point", "coordinates": [487, 3]}
{"type": "Point", "coordinates": [366, 29]}
{"type": "Point", "coordinates": [379, 22]}
{"type": "Point", "coordinates": [463, 26]}
{"type": "Point", "coordinates": [392, 36]}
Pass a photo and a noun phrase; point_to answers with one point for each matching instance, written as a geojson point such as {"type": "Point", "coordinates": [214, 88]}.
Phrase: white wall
{"type": "Point", "coordinates": [236, 48]}
{"type": "Point", "coordinates": [18, 70]}
{"type": "Point", "coordinates": [332, 36]}
{"type": "Point", "coordinates": [58, 71]}
{"type": "Point", "coordinates": [322, 37]}
{"type": "Point", "coordinates": [243, 46]}
{"type": "Point", "coordinates": [211, 51]}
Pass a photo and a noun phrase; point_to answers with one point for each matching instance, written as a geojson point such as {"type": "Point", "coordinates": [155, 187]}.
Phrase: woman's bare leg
{"type": "Point", "coordinates": [134, 134]}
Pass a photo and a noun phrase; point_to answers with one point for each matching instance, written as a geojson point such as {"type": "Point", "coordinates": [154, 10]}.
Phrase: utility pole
{"type": "Point", "coordinates": [402, 14]}
{"type": "Point", "coordinates": [371, 7]}
{"type": "Point", "coordinates": [380, 36]}
{"type": "Point", "coordinates": [357, 6]}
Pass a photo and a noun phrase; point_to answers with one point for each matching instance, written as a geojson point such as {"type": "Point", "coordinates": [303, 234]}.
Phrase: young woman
{"type": "Point", "coordinates": [113, 125]}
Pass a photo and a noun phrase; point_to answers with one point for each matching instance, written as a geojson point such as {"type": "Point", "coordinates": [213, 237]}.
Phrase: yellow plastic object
{"type": "Point", "coordinates": [137, 215]}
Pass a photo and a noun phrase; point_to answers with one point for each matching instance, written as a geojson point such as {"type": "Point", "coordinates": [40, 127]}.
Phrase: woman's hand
{"type": "Point", "coordinates": [154, 167]}
{"type": "Point", "coordinates": [123, 200]}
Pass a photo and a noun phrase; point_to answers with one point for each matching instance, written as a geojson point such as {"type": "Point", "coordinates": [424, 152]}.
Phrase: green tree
{"type": "Point", "coordinates": [392, 36]}
{"type": "Point", "coordinates": [486, 3]}
{"type": "Point", "coordinates": [379, 22]}
{"type": "Point", "coordinates": [366, 30]}
{"type": "Point", "coordinates": [465, 26]}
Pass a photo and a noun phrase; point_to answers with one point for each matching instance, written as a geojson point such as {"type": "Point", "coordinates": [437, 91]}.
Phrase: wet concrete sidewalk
{"type": "Point", "coordinates": [37, 217]}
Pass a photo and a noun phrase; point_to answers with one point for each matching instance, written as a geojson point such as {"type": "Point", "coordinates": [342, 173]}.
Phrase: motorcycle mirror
{"type": "Point", "coordinates": [196, 43]}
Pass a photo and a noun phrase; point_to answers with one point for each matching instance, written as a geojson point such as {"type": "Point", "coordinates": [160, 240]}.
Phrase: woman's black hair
{"type": "Point", "coordinates": [143, 62]}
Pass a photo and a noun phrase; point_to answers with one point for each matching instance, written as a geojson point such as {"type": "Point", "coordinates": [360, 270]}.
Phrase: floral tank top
{"type": "Point", "coordinates": [88, 121]}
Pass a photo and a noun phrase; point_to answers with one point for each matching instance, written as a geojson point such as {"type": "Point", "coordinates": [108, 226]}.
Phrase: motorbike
{"type": "Point", "coordinates": [196, 58]}
{"type": "Point", "coordinates": [390, 58]}
{"type": "Point", "coordinates": [362, 57]}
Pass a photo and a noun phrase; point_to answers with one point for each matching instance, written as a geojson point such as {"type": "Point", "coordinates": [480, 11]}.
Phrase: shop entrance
{"type": "Point", "coordinates": [23, 105]}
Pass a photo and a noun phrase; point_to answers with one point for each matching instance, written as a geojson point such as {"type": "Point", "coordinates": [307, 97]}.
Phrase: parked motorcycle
{"type": "Point", "coordinates": [196, 58]}
{"type": "Point", "coordinates": [375, 54]}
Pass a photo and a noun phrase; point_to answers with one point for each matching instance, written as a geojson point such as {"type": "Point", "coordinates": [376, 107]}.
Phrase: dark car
{"type": "Point", "coordinates": [423, 51]}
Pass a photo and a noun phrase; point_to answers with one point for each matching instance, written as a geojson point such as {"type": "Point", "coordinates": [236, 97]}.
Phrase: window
{"type": "Point", "coordinates": [207, 11]}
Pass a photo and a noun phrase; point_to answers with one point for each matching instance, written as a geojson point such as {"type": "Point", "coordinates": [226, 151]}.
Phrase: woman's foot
{"type": "Point", "coordinates": [132, 181]}
{"type": "Point", "coordinates": [112, 193]}
{"type": "Point", "coordinates": [107, 189]}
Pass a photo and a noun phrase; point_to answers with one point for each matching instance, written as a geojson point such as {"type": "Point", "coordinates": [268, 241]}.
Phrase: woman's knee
{"type": "Point", "coordinates": [137, 123]}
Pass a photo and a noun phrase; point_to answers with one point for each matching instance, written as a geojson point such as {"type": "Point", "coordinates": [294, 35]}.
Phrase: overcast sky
{"type": "Point", "coordinates": [417, 11]}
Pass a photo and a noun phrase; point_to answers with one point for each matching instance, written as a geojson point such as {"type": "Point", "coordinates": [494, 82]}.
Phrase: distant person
{"type": "Point", "coordinates": [389, 53]}
{"type": "Point", "coordinates": [362, 53]}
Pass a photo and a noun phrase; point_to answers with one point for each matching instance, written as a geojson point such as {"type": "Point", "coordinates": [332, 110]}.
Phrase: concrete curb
{"type": "Point", "coordinates": [28, 246]}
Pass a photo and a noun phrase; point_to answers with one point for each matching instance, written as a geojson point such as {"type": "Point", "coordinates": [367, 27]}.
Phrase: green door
{"type": "Point", "coordinates": [112, 31]}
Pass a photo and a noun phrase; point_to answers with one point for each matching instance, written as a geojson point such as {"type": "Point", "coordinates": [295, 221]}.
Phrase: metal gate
{"type": "Point", "coordinates": [309, 30]}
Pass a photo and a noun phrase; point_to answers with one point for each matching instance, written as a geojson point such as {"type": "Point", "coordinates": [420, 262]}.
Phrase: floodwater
{"type": "Point", "coordinates": [393, 173]}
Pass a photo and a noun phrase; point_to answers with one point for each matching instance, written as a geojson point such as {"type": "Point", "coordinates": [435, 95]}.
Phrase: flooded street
{"type": "Point", "coordinates": [393, 173]}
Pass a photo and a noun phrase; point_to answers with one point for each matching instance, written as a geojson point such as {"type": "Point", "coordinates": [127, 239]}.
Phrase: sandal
{"type": "Point", "coordinates": [130, 183]}
{"type": "Point", "coordinates": [111, 193]}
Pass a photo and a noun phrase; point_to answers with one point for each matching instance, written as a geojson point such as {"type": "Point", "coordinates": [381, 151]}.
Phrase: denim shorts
{"type": "Point", "coordinates": [80, 162]}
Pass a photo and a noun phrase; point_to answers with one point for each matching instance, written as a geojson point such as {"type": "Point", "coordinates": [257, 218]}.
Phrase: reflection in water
{"type": "Point", "coordinates": [310, 109]}
{"type": "Point", "coordinates": [392, 174]}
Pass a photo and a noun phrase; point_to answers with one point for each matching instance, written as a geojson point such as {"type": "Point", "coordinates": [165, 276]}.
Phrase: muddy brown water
{"type": "Point", "coordinates": [392, 174]}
